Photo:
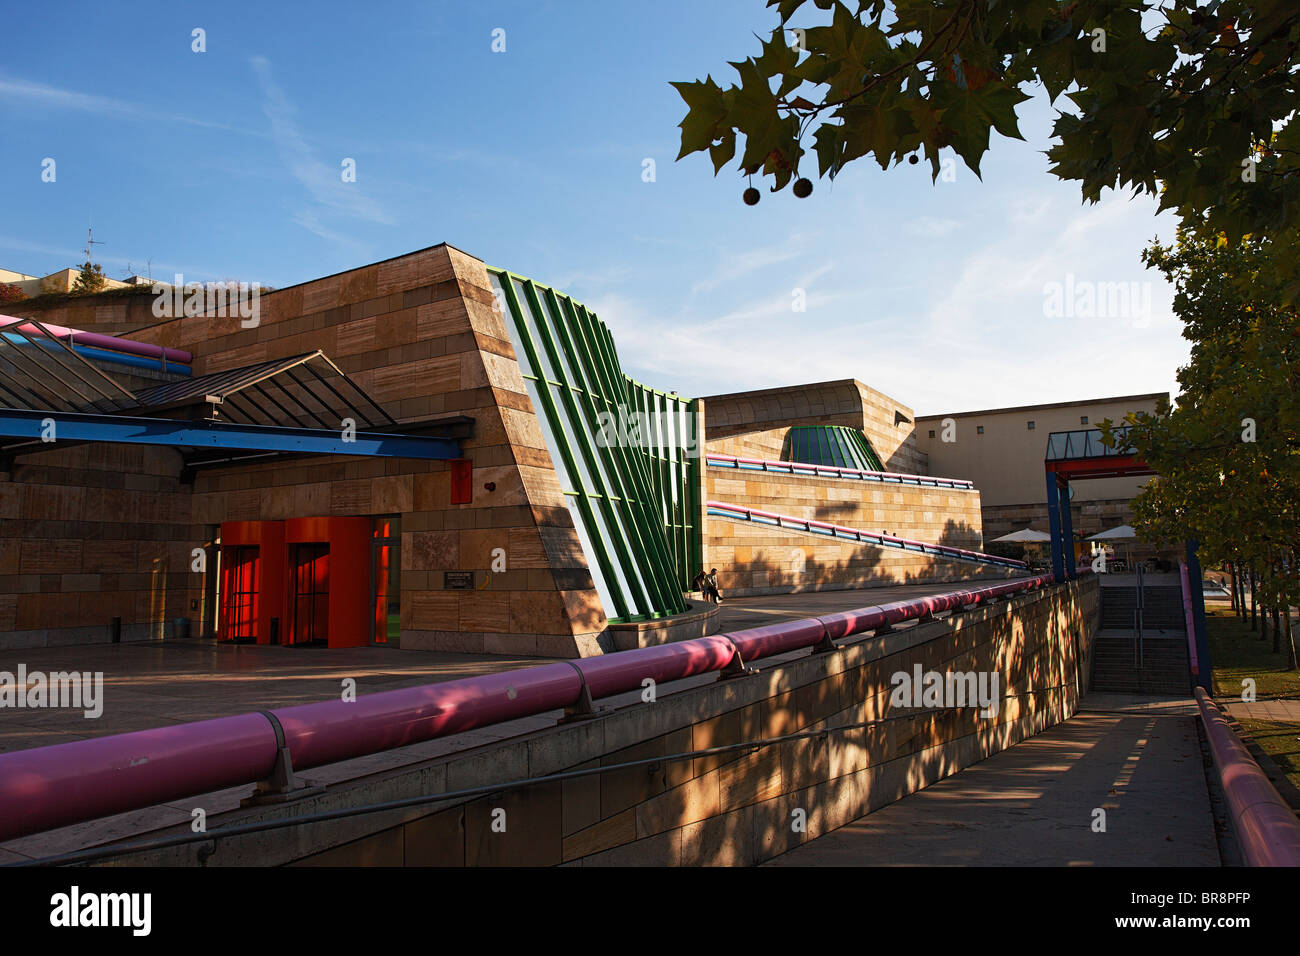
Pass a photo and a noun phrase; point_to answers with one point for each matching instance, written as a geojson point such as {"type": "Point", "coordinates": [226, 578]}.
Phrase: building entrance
{"type": "Point", "coordinates": [311, 595]}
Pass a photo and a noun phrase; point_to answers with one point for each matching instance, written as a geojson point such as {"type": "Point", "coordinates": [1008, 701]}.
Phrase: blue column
{"type": "Point", "coordinates": [1054, 525]}
{"type": "Point", "coordinates": [1067, 530]}
{"type": "Point", "coordinates": [1198, 616]}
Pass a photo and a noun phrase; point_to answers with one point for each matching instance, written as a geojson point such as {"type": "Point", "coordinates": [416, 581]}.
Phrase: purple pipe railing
{"type": "Point", "coordinates": [1266, 826]}
{"type": "Point", "coordinates": [825, 529]}
{"type": "Point", "coordinates": [48, 787]}
{"type": "Point", "coordinates": [810, 470]}
{"type": "Point", "coordinates": [1189, 619]}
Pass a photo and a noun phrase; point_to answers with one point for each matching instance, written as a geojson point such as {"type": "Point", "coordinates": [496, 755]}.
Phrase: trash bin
{"type": "Point", "coordinates": [181, 628]}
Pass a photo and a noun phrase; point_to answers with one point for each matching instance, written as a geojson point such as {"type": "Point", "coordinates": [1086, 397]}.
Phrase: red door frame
{"type": "Point", "coordinates": [349, 558]}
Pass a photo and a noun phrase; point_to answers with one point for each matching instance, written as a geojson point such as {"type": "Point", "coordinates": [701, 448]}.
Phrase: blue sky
{"type": "Point", "coordinates": [226, 164]}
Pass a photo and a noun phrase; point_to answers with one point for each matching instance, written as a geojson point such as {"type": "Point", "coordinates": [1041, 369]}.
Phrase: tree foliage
{"type": "Point", "coordinates": [89, 280]}
{"type": "Point", "coordinates": [1190, 104]}
{"type": "Point", "coordinates": [1228, 456]}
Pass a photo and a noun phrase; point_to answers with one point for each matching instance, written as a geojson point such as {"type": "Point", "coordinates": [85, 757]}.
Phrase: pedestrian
{"type": "Point", "coordinates": [711, 586]}
{"type": "Point", "coordinates": [699, 581]}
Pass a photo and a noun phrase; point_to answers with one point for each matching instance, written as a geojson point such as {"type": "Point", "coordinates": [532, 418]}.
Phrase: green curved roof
{"type": "Point", "coordinates": [840, 446]}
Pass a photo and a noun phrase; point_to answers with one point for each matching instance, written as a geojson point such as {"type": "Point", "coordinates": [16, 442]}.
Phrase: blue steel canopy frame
{"type": "Point", "coordinates": [31, 427]}
{"type": "Point", "coordinates": [51, 398]}
{"type": "Point", "coordinates": [1080, 455]}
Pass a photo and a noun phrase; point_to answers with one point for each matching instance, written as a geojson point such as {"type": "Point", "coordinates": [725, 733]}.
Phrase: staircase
{"type": "Point", "coordinates": [1164, 667]}
{"type": "Point", "coordinates": [1163, 607]}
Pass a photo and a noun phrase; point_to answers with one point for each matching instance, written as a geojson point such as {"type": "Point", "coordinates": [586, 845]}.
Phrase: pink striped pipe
{"type": "Point", "coordinates": [809, 468]}
{"type": "Point", "coordinates": [789, 521]}
{"type": "Point", "coordinates": [96, 340]}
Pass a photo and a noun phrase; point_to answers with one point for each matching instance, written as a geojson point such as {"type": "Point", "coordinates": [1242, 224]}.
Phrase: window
{"type": "Point", "coordinates": [1031, 426]}
{"type": "Point", "coordinates": [1083, 419]}
{"type": "Point", "coordinates": [238, 621]}
{"type": "Point", "coordinates": [979, 429]}
{"type": "Point", "coordinates": [386, 580]}
{"type": "Point", "coordinates": [931, 432]}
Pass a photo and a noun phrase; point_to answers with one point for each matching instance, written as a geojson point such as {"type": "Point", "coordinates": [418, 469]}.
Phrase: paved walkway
{"type": "Point", "coordinates": [155, 684]}
{"type": "Point", "coordinates": [1138, 758]}
{"type": "Point", "coordinates": [743, 612]}
{"type": "Point", "coordinates": [158, 683]}
{"type": "Point", "coordinates": [1286, 711]}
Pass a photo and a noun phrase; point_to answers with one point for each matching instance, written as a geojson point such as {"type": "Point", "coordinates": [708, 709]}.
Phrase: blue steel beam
{"type": "Point", "coordinates": [183, 433]}
{"type": "Point", "coordinates": [1194, 581]}
{"type": "Point", "coordinates": [1067, 532]}
{"type": "Point", "coordinates": [1054, 525]}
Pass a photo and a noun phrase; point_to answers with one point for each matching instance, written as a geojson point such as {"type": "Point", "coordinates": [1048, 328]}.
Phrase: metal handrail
{"type": "Point", "coordinates": [1189, 619]}
{"type": "Point", "coordinates": [810, 526]}
{"type": "Point", "coordinates": [1265, 825]}
{"type": "Point", "coordinates": [803, 469]}
{"type": "Point", "coordinates": [47, 787]}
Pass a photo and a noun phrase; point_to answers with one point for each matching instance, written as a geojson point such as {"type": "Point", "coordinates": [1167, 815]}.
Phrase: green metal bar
{"type": "Point", "coordinates": [635, 481]}
{"type": "Point", "coordinates": [636, 469]}
{"type": "Point", "coordinates": [657, 567]}
{"type": "Point", "coordinates": [595, 464]}
{"type": "Point", "coordinates": [552, 415]}
{"type": "Point", "coordinates": [697, 472]}
{"type": "Point", "coordinates": [649, 464]}
{"type": "Point", "coordinates": [637, 497]}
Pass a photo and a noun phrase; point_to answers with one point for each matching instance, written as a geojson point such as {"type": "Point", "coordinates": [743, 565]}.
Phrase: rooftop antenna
{"type": "Point", "coordinates": [91, 241]}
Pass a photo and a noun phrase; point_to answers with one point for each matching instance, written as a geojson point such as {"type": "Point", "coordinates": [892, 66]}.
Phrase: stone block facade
{"type": "Point", "coordinates": [754, 424]}
{"type": "Point", "coordinates": [101, 531]}
{"type": "Point", "coordinates": [761, 559]}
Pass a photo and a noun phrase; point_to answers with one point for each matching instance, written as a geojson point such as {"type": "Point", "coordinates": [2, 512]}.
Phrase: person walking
{"type": "Point", "coordinates": [711, 586]}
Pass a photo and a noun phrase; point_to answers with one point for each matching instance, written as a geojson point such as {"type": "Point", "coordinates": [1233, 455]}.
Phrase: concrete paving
{"type": "Point", "coordinates": [1137, 758]}
{"type": "Point", "coordinates": [1283, 711]}
{"type": "Point", "coordinates": [736, 614]}
{"type": "Point", "coordinates": [156, 684]}
{"type": "Point", "coordinates": [159, 683]}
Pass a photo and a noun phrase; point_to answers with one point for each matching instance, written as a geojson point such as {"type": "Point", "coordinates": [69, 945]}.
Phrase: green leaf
{"type": "Point", "coordinates": [706, 108]}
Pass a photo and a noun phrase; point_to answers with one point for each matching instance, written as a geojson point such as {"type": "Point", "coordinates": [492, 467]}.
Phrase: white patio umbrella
{"type": "Point", "coordinates": [1122, 532]}
{"type": "Point", "coordinates": [1025, 536]}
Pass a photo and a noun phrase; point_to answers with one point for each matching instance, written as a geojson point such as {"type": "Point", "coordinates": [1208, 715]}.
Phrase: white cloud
{"type": "Point", "coordinates": [328, 193]}
{"type": "Point", "coordinates": [50, 97]}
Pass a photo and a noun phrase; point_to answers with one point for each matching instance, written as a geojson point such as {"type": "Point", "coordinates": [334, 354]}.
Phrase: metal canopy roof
{"type": "Point", "coordinates": [39, 372]}
{"type": "Point", "coordinates": [271, 410]}
{"type": "Point", "coordinates": [304, 391]}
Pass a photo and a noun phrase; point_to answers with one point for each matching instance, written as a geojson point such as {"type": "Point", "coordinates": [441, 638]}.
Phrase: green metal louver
{"type": "Point", "coordinates": [627, 456]}
{"type": "Point", "coordinates": [837, 445]}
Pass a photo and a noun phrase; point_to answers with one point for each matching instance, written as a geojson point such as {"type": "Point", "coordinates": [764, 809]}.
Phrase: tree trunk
{"type": "Point", "coordinates": [1290, 643]}
{"type": "Point", "coordinates": [1254, 601]}
{"type": "Point", "coordinates": [1241, 593]}
{"type": "Point", "coordinates": [1277, 629]}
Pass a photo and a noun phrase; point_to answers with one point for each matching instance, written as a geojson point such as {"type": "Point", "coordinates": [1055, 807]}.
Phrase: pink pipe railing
{"type": "Point", "coordinates": [809, 470]}
{"type": "Point", "coordinates": [97, 340]}
{"type": "Point", "coordinates": [47, 787]}
{"type": "Point", "coordinates": [741, 512]}
{"type": "Point", "coordinates": [1266, 827]}
{"type": "Point", "coordinates": [1189, 619]}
